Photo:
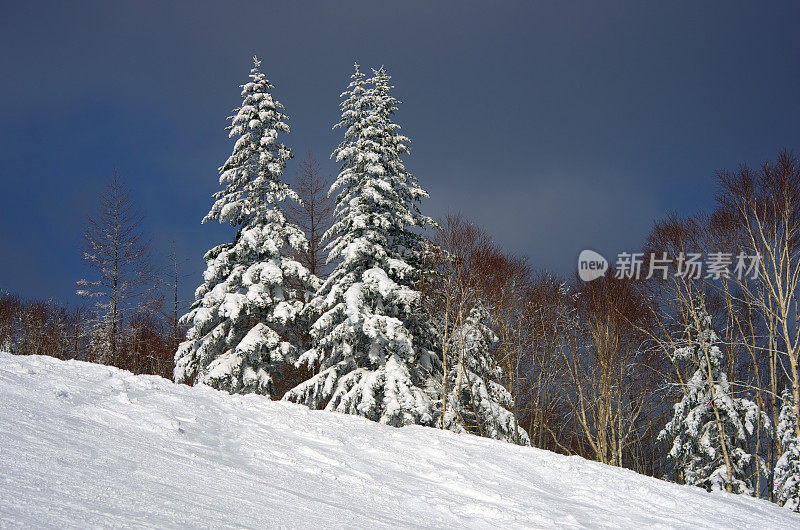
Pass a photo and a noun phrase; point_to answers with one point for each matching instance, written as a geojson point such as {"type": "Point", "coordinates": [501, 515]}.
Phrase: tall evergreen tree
{"type": "Point", "coordinates": [787, 469]}
{"type": "Point", "coordinates": [242, 323]}
{"type": "Point", "coordinates": [370, 341]}
{"type": "Point", "coordinates": [709, 428]}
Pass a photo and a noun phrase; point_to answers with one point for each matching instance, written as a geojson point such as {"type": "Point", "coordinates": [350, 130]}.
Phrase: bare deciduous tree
{"type": "Point", "coordinates": [172, 278]}
{"type": "Point", "coordinates": [314, 215]}
{"type": "Point", "coordinates": [120, 256]}
{"type": "Point", "coordinates": [604, 366]}
{"type": "Point", "coordinates": [39, 328]}
{"type": "Point", "coordinates": [760, 212]}
{"type": "Point", "coordinates": [454, 293]}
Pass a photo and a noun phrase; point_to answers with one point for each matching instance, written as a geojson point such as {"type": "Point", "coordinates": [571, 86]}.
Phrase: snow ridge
{"type": "Point", "coordinates": [85, 445]}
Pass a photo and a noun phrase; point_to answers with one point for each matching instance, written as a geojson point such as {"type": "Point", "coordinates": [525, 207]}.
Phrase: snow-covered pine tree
{"type": "Point", "coordinates": [710, 426]}
{"type": "Point", "coordinates": [242, 321]}
{"type": "Point", "coordinates": [477, 402]}
{"type": "Point", "coordinates": [787, 470]}
{"type": "Point", "coordinates": [371, 342]}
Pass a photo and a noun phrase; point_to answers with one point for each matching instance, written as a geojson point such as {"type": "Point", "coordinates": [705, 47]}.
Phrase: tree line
{"type": "Point", "coordinates": [352, 300]}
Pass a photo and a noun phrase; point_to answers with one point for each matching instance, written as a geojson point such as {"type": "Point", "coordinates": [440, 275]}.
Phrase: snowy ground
{"type": "Point", "coordinates": [86, 445]}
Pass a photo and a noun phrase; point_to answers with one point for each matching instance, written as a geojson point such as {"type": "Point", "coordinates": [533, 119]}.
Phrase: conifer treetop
{"type": "Point", "coordinates": [377, 203]}
{"type": "Point", "coordinates": [251, 175]}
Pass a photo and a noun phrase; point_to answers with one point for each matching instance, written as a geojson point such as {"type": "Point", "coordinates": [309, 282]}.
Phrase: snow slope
{"type": "Point", "coordinates": [88, 445]}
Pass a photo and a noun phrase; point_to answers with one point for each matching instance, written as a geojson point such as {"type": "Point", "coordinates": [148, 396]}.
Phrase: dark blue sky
{"type": "Point", "coordinates": [555, 125]}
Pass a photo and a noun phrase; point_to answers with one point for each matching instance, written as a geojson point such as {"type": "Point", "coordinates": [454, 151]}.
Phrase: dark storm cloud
{"type": "Point", "coordinates": [556, 126]}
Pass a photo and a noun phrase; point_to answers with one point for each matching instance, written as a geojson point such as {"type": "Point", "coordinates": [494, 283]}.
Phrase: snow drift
{"type": "Point", "coordinates": [88, 445]}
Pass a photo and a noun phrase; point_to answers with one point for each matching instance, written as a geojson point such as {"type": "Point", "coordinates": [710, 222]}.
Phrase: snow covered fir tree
{"type": "Point", "coordinates": [787, 470]}
{"type": "Point", "coordinates": [475, 400]}
{"type": "Point", "coordinates": [710, 426]}
{"type": "Point", "coordinates": [242, 326]}
{"type": "Point", "coordinates": [371, 342]}
{"type": "Point", "coordinates": [372, 347]}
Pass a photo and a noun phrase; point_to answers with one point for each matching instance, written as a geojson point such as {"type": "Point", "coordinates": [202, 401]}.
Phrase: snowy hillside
{"type": "Point", "coordinates": [87, 445]}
